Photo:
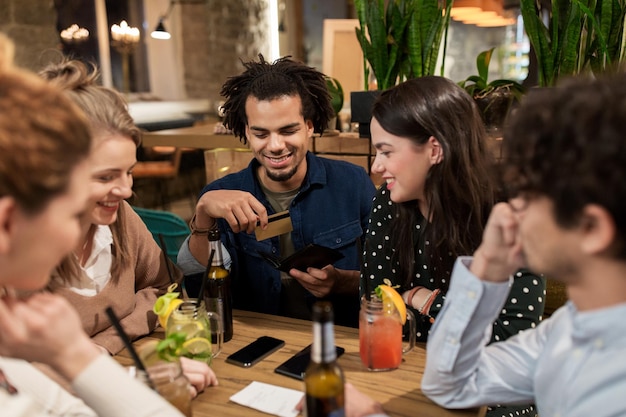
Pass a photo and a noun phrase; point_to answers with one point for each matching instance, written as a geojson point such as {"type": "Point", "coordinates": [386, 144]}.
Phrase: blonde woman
{"type": "Point", "coordinates": [44, 144]}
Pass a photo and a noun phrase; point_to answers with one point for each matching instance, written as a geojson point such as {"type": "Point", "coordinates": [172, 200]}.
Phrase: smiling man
{"type": "Point", "coordinates": [276, 108]}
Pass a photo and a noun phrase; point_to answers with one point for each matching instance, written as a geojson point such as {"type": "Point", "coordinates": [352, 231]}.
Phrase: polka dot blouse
{"type": "Point", "coordinates": [522, 310]}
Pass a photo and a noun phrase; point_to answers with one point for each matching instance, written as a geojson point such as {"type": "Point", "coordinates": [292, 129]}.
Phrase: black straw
{"type": "Point", "coordinates": [365, 281]}
{"type": "Point", "coordinates": [167, 264]}
{"type": "Point", "coordinates": [205, 278]}
{"type": "Point", "coordinates": [133, 353]}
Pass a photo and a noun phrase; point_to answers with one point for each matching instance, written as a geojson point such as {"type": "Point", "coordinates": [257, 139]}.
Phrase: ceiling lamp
{"type": "Point", "coordinates": [465, 7]}
{"type": "Point", "coordinates": [499, 21]}
{"type": "Point", "coordinates": [483, 13]}
{"type": "Point", "coordinates": [159, 31]}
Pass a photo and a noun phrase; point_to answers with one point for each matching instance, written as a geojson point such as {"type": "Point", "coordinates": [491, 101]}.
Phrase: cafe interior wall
{"type": "Point", "coordinates": [209, 40]}
{"type": "Point", "coordinates": [31, 25]}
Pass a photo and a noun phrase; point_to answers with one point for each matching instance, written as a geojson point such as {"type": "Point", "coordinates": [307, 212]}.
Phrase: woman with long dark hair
{"type": "Point", "coordinates": [439, 189]}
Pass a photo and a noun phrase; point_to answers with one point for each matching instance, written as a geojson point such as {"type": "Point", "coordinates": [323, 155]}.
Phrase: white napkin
{"type": "Point", "coordinates": [269, 398]}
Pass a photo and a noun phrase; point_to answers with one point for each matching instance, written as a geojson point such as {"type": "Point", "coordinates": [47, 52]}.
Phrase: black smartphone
{"type": "Point", "coordinates": [255, 351]}
{"type": "Point", "coordinates": [295, 366]}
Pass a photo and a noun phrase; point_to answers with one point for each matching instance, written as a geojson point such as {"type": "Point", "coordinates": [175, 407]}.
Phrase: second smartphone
{"type": "Point", "coordinates": [255, 351]}
{"type": "Point", "coordinates": [295, 366]}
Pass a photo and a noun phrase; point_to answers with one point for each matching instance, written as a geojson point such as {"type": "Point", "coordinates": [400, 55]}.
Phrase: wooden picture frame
{"type": "Point", "coordinates": [342, 57]}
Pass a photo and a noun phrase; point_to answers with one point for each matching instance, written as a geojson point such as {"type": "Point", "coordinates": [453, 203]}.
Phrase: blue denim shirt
{"type": "Point", "coordinates": [331, 209]}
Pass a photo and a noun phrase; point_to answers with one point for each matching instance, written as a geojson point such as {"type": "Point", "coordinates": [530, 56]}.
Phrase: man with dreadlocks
{"type": "Point", "coordinates": [276, 108]}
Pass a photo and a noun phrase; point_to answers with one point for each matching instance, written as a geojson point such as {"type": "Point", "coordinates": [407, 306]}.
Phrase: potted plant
{"type": "Point", "coordinates": [579, 36]}
{"type": "Point", "coordinates": [400, 39]}
{"type": "Point", "coordinates": [336, 99]}
{"type": "Point", "coordinates": [494, 98]}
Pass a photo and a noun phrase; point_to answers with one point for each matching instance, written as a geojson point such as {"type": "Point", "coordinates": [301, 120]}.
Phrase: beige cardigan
{"type": "Point", "coordinates": [141, 281]}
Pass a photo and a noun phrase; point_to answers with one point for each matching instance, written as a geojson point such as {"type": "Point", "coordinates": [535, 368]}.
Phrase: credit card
{"type": "Point", "coordinates": [279, 224]}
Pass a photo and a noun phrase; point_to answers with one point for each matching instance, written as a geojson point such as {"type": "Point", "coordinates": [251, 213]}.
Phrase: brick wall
{"type": "Point", "coordinates": [216, 36]}
{"type": "Point", "coordinates": [31, 25]}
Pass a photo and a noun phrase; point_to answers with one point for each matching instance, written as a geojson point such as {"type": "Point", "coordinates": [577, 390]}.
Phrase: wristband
{"type": "Point", "coordinates": [425, 308]}
{"type": "Point", "coordinates": [200, 231]}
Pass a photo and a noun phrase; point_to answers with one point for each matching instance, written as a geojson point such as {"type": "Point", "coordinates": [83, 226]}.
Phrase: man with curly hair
{"type": "Point", "coordinates": [276, 108]}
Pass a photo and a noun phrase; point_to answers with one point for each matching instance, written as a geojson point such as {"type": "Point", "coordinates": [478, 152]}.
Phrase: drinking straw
{"type": "Point", "coordinates": [167, 264]}
{"type": "Point", "coordinates": [133, 353]}
{"type": "Point", "coordinates": [205, 278]}
{"type": "Point", "coordinates": [366, 282]}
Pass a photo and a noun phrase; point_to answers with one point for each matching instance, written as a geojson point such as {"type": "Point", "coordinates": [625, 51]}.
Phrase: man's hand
{"type": "Point", "coordinates": [239, 208]}
{"type": "Point", "coordinates": [322, 282]}
{"type": "Point", "coordinates": [500, 253]}
{"type": "Point", "coordinates": [318, 282]}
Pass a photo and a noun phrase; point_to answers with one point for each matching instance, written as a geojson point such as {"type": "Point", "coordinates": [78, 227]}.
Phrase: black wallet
{"type": "Point", "coordinates": [312, 255]}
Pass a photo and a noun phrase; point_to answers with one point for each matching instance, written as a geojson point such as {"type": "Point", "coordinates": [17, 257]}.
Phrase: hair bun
{"type": "Point", "coordinates": [70, 74]}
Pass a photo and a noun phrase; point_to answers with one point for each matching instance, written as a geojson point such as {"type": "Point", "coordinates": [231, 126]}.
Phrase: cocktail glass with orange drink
{"type": "Point", "coordinates": [380, 329]}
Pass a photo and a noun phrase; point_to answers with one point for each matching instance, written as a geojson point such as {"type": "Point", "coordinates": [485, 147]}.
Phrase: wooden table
{"type": "Point", "coordinates": [199, 137]}
{"type": "Point", "coordinates": [398, 390]}
{"type": "Point", "coordinates": [345, 146]}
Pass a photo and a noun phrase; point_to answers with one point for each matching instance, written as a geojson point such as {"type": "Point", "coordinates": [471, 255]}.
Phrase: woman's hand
{"type": "Point", "coordinates": [199, 374]}
{"type": "Point", "coordinates": [357, 403]}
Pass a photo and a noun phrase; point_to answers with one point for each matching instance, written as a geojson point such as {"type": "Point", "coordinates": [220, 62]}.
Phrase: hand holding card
{"type": "Point", "coordinates": [279, 223]}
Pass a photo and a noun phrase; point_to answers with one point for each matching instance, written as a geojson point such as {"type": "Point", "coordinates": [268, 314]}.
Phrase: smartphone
{"type": "Point", "coordinates": [295, 366]}
{"type": "Point", "coordinates": [255, 351]}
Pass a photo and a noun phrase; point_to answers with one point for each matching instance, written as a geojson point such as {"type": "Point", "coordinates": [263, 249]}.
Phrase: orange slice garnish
{"type": "Point", "coordinates": [389, 295]}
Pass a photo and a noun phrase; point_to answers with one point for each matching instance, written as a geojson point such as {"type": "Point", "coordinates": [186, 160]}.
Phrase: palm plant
{"type": "Point", "coordinates": [428, 23]}
{"type": "Point", "coordinates": [479, 85]}
{"type": "Point", "coordinates": [401, 39]}
{"type": "Point", "coordinates": [607, 47]}
{"type": "Point", "coordinates": [336, 93]}
{"type": "Point", "coordinates": [580, 36]}
{"type": "Point", "coordinates": [494, 98]}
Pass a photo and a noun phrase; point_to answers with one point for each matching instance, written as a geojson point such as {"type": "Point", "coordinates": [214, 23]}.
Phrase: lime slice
{"type": "Point", "coordinates": [197, 346]}
{"type": "Point", "coordinates": [192, 329]}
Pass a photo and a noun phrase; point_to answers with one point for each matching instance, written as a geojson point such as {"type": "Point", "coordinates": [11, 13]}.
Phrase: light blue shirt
{"type": "Point", "coordinates": [573, 364]}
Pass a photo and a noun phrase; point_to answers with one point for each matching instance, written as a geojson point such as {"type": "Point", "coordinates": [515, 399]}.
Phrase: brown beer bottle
{"type": "Point", "coordinates": [217, 296]}
{"type": "Point", "coordinates": [323, 379]}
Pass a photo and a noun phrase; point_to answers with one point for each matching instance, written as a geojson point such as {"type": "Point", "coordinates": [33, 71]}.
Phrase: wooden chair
{"type": "Point", "coordinates": [160, 172]}
{"type": "Point", "coordinates": [220, 162]}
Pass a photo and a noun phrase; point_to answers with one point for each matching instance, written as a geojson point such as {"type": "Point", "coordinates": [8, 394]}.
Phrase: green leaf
{"type": "Point", "coordinates": [538, 36]}
{"type": "Point", "coordinates": [400, 38]}
{"type": "Point", "coordinates": [482, 63]}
